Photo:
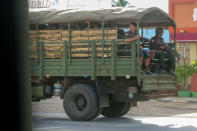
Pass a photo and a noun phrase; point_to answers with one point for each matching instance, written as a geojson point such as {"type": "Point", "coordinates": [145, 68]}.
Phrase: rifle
{"type": "Point", "coordinates": [170, 50]}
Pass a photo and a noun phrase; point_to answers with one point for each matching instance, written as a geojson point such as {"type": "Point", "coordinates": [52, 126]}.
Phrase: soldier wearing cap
{"type": "Point", "coordinates": [157, 44]}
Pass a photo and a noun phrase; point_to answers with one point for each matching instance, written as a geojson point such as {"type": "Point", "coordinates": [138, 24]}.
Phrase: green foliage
{"type": "Point", "coordinates": [118, 4]}
{"type": "Point", "coordinates": [194, 63]}
{"type": "Point", "coordinates": [121, 3]}
{"type": "Point", "coordinates": [183, 75]}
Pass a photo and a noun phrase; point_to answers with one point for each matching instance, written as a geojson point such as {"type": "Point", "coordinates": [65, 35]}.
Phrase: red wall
{"type": "Point", "coordinates": [194, 82]}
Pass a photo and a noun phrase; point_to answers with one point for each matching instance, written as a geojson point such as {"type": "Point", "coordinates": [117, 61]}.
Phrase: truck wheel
{"type": "Point", "coordinates": [81, 102]}
{"type": "Point", "coordinates": [117, 109]}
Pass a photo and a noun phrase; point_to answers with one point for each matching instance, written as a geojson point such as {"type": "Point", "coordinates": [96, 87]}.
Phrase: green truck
{"type": "Point", "coordinates": [75, 54]}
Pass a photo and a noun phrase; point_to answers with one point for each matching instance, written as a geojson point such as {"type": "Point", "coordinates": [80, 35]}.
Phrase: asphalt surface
{"type": "Point", "coordinates": [60, 122]}
{"type": "Point", "coordinates": [154, 108]}
{"type": "Point", "coordinates": [154, 115]}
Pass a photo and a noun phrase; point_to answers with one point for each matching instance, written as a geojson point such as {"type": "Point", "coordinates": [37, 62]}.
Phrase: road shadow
{"type": "Point", "coordinates": [114, 120]}
{"type": "Point", "coordinates": [106, 124]}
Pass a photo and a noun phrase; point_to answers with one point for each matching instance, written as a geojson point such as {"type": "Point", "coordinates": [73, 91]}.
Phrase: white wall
{"type": "Point", "coordinates": [42, 3]}
{"type": "Point", "coordinates": [162, 4]}
{"type": "Point", "coordinates": [63, 4]}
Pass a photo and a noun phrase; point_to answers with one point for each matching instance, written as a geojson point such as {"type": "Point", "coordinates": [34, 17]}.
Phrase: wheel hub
{"type": "Point", "coordinates": [81, 102]}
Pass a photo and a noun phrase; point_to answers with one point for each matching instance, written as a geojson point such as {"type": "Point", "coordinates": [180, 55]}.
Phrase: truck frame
{"type": "Point", "coordinates": [102, 81]}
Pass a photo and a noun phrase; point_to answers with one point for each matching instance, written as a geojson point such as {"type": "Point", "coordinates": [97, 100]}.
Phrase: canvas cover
{"type": "Point", "coordinates": [148, 17]}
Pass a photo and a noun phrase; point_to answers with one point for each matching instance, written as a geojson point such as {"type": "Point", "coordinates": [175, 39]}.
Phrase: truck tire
{"type": "Point", "coordinates": [117, 109]}
{"type": "Point", "coordinates": [81, 102]}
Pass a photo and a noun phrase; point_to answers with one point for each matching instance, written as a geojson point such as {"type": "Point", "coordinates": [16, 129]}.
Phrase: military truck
{"type": "Point", "coordinates": [75, 54]}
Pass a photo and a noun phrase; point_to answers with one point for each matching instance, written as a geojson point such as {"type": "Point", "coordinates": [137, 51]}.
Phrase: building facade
{"type": "Point", "coordinates": [184, 12]}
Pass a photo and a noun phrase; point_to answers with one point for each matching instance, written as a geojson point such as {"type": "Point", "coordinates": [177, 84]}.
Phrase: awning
{"type": "Point", "coordinates": [185, 37]}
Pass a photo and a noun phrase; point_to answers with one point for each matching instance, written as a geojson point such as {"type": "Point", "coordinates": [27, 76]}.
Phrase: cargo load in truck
{"type": "Point", "coordinates": [83, 56]}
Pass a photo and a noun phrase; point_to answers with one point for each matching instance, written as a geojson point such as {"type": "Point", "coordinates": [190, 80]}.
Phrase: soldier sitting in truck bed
{"type": "Point", "coordinates": [157, 44]}
{"type": "Point", "coordinates": [132, 36]}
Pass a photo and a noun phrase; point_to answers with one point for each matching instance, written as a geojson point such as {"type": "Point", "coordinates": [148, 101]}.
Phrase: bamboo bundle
{"type": "Point", "coordinates": [56, 51]}
{"type": "Point", "coordinates": [52, 40]}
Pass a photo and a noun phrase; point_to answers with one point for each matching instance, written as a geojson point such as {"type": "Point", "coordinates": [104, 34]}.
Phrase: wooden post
{"type": "Point", "coordinates": [69, 43]}
{"type": "Point", "coordinates": [113, 60]}
{"type": "Point", "coordinates": [65, 57]}
{"type": "Point", "coordinates": [103, 41]}
{"type": "Point", "coordinates": [41, 60]}
{"type": "Point", "coordinates": [93, 61]}
{"type": "Point", "coordinates": [103, 28]}
{"type": "Point", "coordinates": [37, 40]}
{"type": "Point", "coordinates": [133, 52]}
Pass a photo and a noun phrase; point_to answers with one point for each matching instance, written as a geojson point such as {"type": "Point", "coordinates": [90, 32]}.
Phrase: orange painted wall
{"type": "Point", "coordinates": [183, 15]}
{"type": "Point", "coordinates": [182, 12]}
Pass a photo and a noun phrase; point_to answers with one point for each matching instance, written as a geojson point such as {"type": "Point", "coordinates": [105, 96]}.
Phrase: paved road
{"type": "Point", "coordinates": [144, 108]}
{"type": "Point", "coordinates": [60, 122]}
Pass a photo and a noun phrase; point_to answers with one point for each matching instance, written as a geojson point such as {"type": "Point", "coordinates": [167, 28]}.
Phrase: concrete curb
{"type": "Point", "coordinates": [178, 100]}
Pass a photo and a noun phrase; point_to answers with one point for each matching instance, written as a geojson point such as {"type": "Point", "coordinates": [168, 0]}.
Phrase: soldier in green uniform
{"type": "Point", "coordinates": [130, 36]}
{"type": "Point", "coordinates": [157, 44]}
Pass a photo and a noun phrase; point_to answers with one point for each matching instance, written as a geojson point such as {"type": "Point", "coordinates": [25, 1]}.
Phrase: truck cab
{"type": "Point", "coordinates": [74, 54]}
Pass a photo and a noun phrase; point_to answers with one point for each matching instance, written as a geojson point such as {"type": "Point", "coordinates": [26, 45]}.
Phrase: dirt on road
{"type": "Point", "coordinates": [145, 108]}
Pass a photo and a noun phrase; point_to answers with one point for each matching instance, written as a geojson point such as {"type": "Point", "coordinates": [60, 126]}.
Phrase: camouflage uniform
{"type": "Point", "coordinates": [130, 34]}
{"type": "Point", "coordinates": [155, 44]}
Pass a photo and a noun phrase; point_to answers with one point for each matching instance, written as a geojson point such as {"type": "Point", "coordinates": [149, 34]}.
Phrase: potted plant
{"type": "Point", "coordinates": [183, 79]}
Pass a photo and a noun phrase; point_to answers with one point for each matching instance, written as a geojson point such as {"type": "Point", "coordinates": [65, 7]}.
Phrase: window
{"type": "Point", "coordinates": [195, 14]}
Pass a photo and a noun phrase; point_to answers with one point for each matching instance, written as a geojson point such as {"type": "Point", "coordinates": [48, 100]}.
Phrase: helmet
{"type": "Point", "coordinates": [159, 30]}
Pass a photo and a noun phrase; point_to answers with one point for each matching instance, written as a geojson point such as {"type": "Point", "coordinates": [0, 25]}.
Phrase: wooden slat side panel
{"type": "Point", "coordinates": [80, 67]}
